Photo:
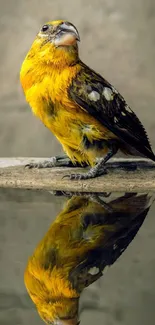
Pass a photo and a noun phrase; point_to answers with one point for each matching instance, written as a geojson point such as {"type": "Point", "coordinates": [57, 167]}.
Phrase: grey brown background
{"type": "Point", "coordinates": [118, 41]}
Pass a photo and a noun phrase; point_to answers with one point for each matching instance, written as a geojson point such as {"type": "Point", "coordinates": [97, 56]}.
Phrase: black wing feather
{"type": "Point", "coordinates": [128, 215]}
{"type": "Point", "coordinates": [114, 114]}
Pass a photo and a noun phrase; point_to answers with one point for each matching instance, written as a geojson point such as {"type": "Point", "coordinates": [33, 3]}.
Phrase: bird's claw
{"type": "Point", "coordinates": [75, 176]}
{"type": "Point", "coordinates": [43, 164]}
{"type": "Point", "coordinates": [71, 176]}
{"type": "Point", "coordinates": [57, 161]}
{"type": "Point", "coordinates": [83, 176]}
{"type": "Point", "coordinates": [32, 165]}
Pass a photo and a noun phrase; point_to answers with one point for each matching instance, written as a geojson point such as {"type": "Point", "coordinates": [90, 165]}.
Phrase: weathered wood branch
{"type": "Point", "coordinates": [136, 175]}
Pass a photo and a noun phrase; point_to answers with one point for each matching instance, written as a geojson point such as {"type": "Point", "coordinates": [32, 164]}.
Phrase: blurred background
{"type": "Point", "coordinates": [117, 40]}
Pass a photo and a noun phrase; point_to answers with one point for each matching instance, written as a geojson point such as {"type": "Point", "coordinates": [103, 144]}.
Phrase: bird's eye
{"type": "Point", "coordinates": [45, 28]}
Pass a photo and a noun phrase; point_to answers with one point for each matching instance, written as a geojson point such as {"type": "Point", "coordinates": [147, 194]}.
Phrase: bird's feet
{"type": "Point", "coordinates": [43, 164]}
{"type": "Point", "coordinates": [93, 172]}
{"type": "Point", "coordinates": [96, 171]}
{"type": "Point", "coordinates": [57, 161]}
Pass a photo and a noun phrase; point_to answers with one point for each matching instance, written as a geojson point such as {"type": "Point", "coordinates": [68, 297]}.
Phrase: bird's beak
{"type": "Point", "coordinates": [70, 29]}
{"type": "Point", "coordinates": [66, 35]}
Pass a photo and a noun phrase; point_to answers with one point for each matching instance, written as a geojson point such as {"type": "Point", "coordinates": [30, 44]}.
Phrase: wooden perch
{"type": "Point", "coordinates": [136, 175]}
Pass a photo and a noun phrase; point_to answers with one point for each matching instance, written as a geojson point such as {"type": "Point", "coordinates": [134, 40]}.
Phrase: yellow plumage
{"type": "Point", "coordinates": [85, 113]}
{"type": "Point", "coordinates": [46, 75]}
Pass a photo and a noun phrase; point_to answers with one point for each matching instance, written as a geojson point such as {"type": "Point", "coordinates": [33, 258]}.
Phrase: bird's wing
{"type": "Point", "coordinates": [101, 100]}
{"type": "Point", "coordinates": [95, 261]}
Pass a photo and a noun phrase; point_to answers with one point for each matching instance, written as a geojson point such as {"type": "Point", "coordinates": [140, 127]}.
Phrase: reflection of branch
{"type": "Point", "coordinates": [134, 175]}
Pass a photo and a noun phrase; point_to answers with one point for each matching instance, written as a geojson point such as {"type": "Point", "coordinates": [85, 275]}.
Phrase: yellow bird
{"type": "Point", "coordinates": [85, 112]}
{"type": "Point", "coordinates": [85, 237]}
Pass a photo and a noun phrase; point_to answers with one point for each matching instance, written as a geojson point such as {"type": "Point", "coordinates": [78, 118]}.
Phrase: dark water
{"type": "Point", "coordinates": [124, 295]}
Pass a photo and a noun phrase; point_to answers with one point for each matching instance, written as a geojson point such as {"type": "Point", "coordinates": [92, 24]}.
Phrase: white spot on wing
{"type": "Point", "coordinates": [105, 269]}
{"type": "Point", "coordinates": [115, 119]}
{"type": "Point", "coordinates": [94, 270]}
{"type": "Point", "coordinates": [123, 113]}
{"type": "Point", "coordinates": [128, 109]}
{"type": "Point", "coordinates": [108, 94]}
{"type": "Point", "coordinates": [94, 96]}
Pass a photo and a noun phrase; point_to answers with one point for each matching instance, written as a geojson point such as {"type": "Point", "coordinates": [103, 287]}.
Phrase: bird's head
{"type": "Point", "coordinates": [56, 43]}
{"type": "Point", "coordinates": [59, 33]}
{"type": "Point", "coordinates": [62, 312]}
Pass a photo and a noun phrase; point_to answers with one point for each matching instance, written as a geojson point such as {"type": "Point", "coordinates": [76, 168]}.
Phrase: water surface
{"type": "Point", "coordinates": [124, 295]}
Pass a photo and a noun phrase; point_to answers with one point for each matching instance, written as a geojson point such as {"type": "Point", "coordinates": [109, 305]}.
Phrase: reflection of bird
{"type": "Point", "coordinates": [84, 238]}
{"type": "Point", "coordinates": [86, 114]}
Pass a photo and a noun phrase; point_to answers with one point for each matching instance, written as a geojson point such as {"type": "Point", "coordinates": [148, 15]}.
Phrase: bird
{"type": "Point", "coordinates": [87, 115]}
{"type": "Point", "coordinates": [86, 237]}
